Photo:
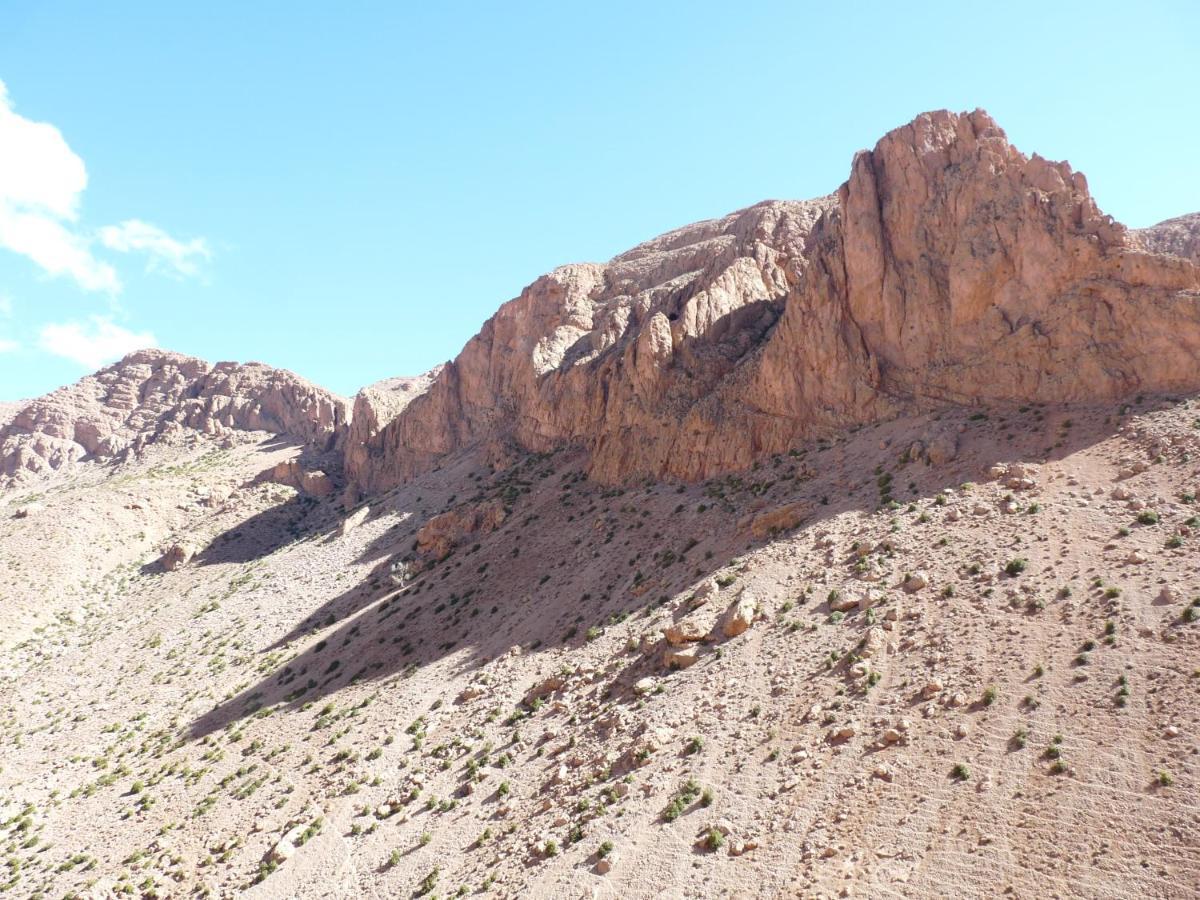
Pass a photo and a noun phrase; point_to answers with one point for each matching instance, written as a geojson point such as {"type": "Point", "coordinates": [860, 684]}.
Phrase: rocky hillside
{"type": "Point", "coordinates": [153, 396]}
{"type": "Point", "coordinates": [835, 548]}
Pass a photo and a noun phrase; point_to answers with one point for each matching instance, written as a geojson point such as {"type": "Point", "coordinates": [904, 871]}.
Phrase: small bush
{"type": "Point", "coordinates": [429, 882]}
{"type": "Point", "coordinates": [1015, 567]}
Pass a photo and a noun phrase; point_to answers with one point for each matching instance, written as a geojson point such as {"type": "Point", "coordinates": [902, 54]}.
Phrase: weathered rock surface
{"type": "Point", "coordinates": [1179, 236]}
{"type": "Point", "coordinates": [441, 534]}
{"type": "Point", "coordinates": [154, 395]}
{"type": "Point", "coordinates": [176, 555]}
{"type": "Point", "coordinates": [374, 407]}
{"type": "Point", "coordinates": [774, 520]}
{"type": "Point", "coordinates": [949, 269]}
{"type": "Point", "coordinates": [314, 482]}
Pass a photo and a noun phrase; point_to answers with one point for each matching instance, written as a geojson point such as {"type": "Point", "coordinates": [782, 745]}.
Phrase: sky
{"type": "Point", "coordinates": [349, 190]}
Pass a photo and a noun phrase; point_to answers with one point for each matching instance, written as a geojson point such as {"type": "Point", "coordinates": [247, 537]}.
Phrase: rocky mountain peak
{"type": "Point", "coordinates": [949, 268]}
{"type": "Point", "coordinates": [157, 395]}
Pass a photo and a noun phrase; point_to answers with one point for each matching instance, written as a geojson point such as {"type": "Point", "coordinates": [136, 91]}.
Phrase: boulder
{"type": "Point", "coordinates": [680, 658]}
{"type": "Point", "coordinates": [772, 521]}
{"type": "Point", "coordinates": [873, 643]}
{"type": "Point", "coordinates": [175, 556]}
{"type": "Point", "coordinates": [740, 615]}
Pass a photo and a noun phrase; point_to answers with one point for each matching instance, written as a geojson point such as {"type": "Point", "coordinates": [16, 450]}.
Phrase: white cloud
{"type": "Point", "coordinates": [166, 254]}
{"type": "Point", "coordinates": [93, 343]}
{"type": "Point", "coordinates": [41, 182]}
{"type": "Point", "coordinates": [8, 346]}
{"type": "Point", "coordinates": [6, 306]}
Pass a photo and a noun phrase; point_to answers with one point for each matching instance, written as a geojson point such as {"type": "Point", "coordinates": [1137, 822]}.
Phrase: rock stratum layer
{"type": "Point", "coordinates": [949, 269]}
{"type": "Point", "coordinates": [154, 395]}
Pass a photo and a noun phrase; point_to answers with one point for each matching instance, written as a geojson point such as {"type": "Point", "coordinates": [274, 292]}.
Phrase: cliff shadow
{"type": "Point", "coordinates": [573, 557]}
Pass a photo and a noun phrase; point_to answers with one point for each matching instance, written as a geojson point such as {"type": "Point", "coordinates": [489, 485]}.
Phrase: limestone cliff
{"type": "Point", "coordinates": [949, 269]}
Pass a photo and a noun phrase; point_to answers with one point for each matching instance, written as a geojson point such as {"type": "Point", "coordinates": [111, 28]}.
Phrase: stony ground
{"type": "Point", "coordinates": [884, 677]}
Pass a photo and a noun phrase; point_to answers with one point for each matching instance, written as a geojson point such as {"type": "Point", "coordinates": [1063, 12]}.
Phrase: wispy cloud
{"type": "Point", "coordinates": [93, 342]}
{"type": "Point", "coordinates": [6, 306]}
{"type": "Point", "coordinates": [166, 254]}
{"type": "Point", "coordinates": [8, 346]}
{"type": "Point", "coordinates": [41, 182]}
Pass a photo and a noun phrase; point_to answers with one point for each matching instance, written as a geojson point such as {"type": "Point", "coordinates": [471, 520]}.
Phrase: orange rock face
{"type": "Point", "coordinates": [949, 269]}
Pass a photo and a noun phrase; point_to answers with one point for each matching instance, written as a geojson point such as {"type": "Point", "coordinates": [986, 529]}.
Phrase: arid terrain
{"type": "Point", "coordinates": [833, 548]}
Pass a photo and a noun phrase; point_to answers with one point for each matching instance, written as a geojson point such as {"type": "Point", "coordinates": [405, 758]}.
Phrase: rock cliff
{"type": "Point", "coordinates": [154, 395]}
{"type": "Point", "coordinates": [949, 269]}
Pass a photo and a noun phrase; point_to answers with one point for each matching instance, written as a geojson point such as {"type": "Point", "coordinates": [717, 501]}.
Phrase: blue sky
{"type": "Point", "coordinates": [349, 190]}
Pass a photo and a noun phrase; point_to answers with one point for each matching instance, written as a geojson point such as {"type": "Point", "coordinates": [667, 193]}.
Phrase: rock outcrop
{"type": "Point", "coordinates": [609, 356]}
{"type": "Point", "coordinates": [949, 269]}
{"type": "Point", "coordinates": [153, 395]}
{"type": "Point", "coordinates": [1179, 237]}
{"type": "Point", "coordinates": [375, 406]}
{"type": "Point", "coordinates": [438, 537]}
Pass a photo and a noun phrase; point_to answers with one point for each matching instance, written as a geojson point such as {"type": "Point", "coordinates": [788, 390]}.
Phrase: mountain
{"type": "Point", "coordinates": [153, 396]}
{"type": "Point", "coordinates": [840, 547]}
{"type": "Point", "coordinates": [950, 268]}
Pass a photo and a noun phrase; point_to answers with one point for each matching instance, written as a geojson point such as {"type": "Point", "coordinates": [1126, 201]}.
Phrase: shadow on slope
{"type": "Point", "coordinates": [573, 555]}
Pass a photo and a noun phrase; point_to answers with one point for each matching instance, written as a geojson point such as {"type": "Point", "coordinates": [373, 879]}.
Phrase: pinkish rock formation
{"type": "Point", "coordinates": [610, 356]}
{"type": "Point", "coordinates": [375, 406]}
{"type": "Point", "coordinates": [1179, 237]}
{"type": "Point", "coordinates": [949, 269]}
{"type": "Point", "coordinates": [152, 395]}
{"type": "Point", "coordinates": [441, 534]}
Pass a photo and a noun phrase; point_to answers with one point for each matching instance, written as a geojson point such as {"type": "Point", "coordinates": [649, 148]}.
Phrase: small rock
{"type": "Point", "coordinates": [644, 685]}
{"type": "Point", "coordinates": [843, 604]}
{"type": "Point", "coordinates": [842, 732]}
{"type": "Point", "coordinates": [680, 658]}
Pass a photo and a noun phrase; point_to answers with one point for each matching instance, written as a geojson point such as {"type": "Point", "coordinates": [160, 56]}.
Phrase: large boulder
{"type": "Point", "coordinates": [740, 615]}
